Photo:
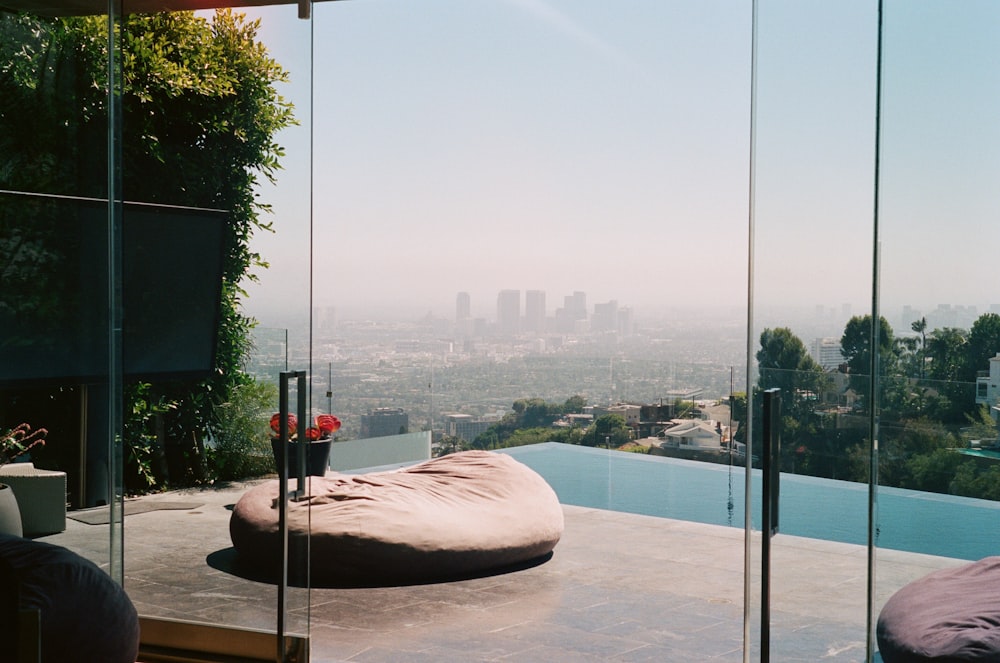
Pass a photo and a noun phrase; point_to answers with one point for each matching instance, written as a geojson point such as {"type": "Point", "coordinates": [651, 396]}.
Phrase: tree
{"type": "Point", "coordinates": [953, 398]}
{"type": "Point", "coordinates": [920, 327]}
{"type": "Point", "coordinates": [610, 429]}
{"type": "Point", "coordinates": [984, 343]}
{"type": "Point", "coordinates": [856, 346]}
{"type": "Point", "coordinates": [738, 412]}
{"type": "Point", "coordinates": [574, 405]}
{"type": "Point", "coordinates": [946, 351]}
{"type": "Point", "coordinates": [783, 362]}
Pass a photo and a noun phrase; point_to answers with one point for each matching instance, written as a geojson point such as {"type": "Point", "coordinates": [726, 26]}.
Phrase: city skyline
{"type": "Point", "coordinates": [609, 152]}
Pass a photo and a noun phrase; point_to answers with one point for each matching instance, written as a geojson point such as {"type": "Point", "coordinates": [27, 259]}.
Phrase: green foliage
{"type": "Point", "coordinates": [971, 481]}
{"type": "Point", "coordinates": [984, 342]}
{"type": "Point", "coordinates": [856, 345]}
{"type": "Point", "coordinates": [525, 436]}
{"type": "Point", "coordinates": [609, 430]}
{"type": "Point", "coordinates": [450, 444]}
{"type": "Point", "coordinates": [738, 411]}
{"type": "Point", "coordinates": [783, 362]}
{"type": "Point", "coordinates": [242, 443]}
{"type": "Point", "coordinates": [527, 413]}
{"type": "Point", "coordinates": [144, 457]}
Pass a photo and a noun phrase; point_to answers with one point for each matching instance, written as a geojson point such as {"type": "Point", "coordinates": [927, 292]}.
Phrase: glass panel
{"type": "Point", "coordinates": [536, 213]}
{"type": "Point", "coordinates": [205, 121]}
{"type": "Point", "coordinates": [60, 251]}
{"type": "Point", "coordinates": [126, 326]}
{"type": "Point", "coordinates": [814, 175]}
{"type": "Point", "coordinates": [938, 203]}
{"type": "Point", "coordinates": [215, 128]}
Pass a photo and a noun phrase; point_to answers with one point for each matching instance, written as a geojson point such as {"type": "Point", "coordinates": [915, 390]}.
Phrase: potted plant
{"type": "Point", "coordinates": [13, 443]}
{"type": "Point", "coordinates": [319, 438]}
{"type": "Point", "coordinates": [20, 440]}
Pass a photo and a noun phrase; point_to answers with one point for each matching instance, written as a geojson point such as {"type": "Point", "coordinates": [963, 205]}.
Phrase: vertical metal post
{"type": "Point", "coordinates": [770, 471]}
{"type": "Point", "coordinates": [283, 435]}
{"type": "Point", "coordinates": [302, 456]}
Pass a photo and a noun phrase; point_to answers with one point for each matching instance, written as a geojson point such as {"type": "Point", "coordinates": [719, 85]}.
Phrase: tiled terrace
{"type": "Point", "coordinates": [620, 587]}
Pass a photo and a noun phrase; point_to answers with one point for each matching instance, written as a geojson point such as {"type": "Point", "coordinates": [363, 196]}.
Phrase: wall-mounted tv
{"type": "Point", "coordinates": [54, 289]}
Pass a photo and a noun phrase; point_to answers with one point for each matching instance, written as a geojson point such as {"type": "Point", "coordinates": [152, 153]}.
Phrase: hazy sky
{"type": "Point", "coordinates": [605, 147]}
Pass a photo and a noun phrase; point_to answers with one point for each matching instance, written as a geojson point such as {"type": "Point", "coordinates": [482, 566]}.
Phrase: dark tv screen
{"type": "Point", "coordinates": [54, 289]}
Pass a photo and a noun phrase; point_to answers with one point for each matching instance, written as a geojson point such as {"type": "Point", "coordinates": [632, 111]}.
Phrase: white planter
{"type": "Point", "coordinates": [10, 515]}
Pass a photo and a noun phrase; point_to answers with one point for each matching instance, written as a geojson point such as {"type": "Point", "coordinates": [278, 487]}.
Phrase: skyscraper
{"type": "Point", "coordinates": [534, 311]}
{"type": "Point", "coordinates": [508, 312]}
{"type": "Point", "coordinates": [463, 306]}
{"type": "Point", "coordinates": [605, 317]}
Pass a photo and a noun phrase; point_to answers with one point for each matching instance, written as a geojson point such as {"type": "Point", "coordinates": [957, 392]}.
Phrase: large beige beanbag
{"type": "Point", "coordinates": [453, 516]}
{"type": "Point", "coordinates": [948, 616]}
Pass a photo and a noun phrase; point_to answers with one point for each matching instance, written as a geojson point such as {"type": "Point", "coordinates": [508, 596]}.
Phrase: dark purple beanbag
{"type": "Point", "coordinates": [457, 515]}
{"type": "Point", "coordinates": [950, 615]}
{"type": "Point", "coordinates": [85, 615]}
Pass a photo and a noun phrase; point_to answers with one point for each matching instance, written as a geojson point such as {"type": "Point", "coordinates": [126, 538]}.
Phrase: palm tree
{"type": "Point", "coordinates": [920, 327]}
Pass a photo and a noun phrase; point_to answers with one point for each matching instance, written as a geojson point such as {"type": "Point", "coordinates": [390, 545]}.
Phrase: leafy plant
{"type": "Point", "coordinates": [19, 440]}
{"type": "Point", "coordinates": [241, 447]}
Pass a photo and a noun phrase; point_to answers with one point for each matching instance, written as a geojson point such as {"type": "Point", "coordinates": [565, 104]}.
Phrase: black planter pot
{"type": "Point", "coordinates": [317, 456]}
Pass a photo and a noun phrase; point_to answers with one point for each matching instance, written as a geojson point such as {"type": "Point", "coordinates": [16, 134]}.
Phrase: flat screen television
{"type": "Point", "coordinates": [55, 289]}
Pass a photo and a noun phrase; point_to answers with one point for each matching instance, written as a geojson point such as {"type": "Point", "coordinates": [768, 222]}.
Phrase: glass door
{"type": "Point", "coordinates": [155, 185]}
{"type": "Point", "coordinates": [939, 160]}
{"type": "Point", "coordinates": [216, 116]}
{"type": "Point", "coordinates": [813, 173]}
{"type": "Point", "coordinates": [533, 242]}
{"type": "Point", "coordinates": [60, 247]}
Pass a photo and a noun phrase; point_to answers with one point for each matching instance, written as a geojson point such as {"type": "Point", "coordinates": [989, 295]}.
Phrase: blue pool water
{"type": "Point", "coordinates": [909, 520]}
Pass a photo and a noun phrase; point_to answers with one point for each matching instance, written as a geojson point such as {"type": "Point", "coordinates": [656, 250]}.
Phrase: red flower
{"type": "Point", "coordinates": [293, 424]}
{"type": "Point", "coordinates": [327, 424]}
{"type": "Point", "coordinates": [313, 433]}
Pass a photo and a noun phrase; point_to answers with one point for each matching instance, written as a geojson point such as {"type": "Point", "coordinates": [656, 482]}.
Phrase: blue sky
{"type": "Point", "coordinates": [604, 146]}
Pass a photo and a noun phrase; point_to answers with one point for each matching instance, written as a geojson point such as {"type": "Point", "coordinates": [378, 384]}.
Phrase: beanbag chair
{"type": "Point", "coordinates": [457, 515]}
{"type": "Point", "coordinates": [85, 615]}
{"type": "Point", "coordinates": [949, 615]}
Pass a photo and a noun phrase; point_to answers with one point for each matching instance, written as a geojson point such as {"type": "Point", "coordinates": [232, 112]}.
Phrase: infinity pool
{"type": "Point", "coordinates": [908, 520]}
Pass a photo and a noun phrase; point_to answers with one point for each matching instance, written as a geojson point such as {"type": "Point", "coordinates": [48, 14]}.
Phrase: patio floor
{"type": "Point", "coordinates": [619, 587]}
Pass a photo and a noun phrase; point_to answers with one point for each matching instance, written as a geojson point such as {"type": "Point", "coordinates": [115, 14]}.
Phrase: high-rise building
{"type": "Point", "coordinates": [463, 315]}
{"type": "Point", "coordinates": [576, 305]}
{"type": "Point", "coordinates": [573, 314]}
{"type": "Point", "coordinates": [463, 306]}
{"type": "Point", "coordinates": [384, 421]}
{"type": "Point", "coordinates": [534, 311]}
{"type": "Point", "coordinates": [509, 312]}
{"type": "Point", "coordinates": [827, 353]}
{"type": "Point", "coordinates": [626, 321]}
{"type": "Point", "coordinates": [605, 317]}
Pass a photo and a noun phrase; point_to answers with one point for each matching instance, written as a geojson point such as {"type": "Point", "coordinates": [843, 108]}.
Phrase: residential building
{"type": "Point", "coordinates": [988, 386]}
{"type": "Point", "coordinates": [693, 433]}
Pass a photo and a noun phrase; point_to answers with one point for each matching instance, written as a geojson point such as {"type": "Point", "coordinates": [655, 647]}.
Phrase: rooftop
{"type": "Point", "coordinates": [619, 587]}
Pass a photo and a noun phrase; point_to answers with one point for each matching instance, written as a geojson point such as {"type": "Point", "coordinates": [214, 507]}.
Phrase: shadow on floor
{"type": "Point", "coordinates": [228, 561]}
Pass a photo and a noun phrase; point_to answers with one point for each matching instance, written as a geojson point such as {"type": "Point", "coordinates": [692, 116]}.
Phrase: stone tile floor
{"type": "Point", "coordinates": [619, 587]}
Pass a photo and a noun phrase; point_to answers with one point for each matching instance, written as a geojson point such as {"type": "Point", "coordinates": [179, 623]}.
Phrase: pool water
{"type": "Point", "coordinates": [908, 520]}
